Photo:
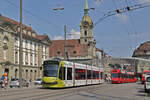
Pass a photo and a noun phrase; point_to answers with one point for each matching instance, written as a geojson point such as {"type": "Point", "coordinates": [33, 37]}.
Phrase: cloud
{"type": "Point", "coordinates": [144, 1]}
{"type": "Point", "coordinates": [122, 17]}
{"type": "Point", "coordinates": [74, 34]}
{"type": "Point", "coordinates": [58, 38]}
{"type": "Point", "coordinates": [97, 2]}
{"type": "Point", "coordinates": [71, 35]}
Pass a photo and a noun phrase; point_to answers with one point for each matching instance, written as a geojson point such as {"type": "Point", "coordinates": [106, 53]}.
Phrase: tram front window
{"type": "Point", "coordinates": [114, 75]}
{"type": "Point", "coordinates": [50, 70]}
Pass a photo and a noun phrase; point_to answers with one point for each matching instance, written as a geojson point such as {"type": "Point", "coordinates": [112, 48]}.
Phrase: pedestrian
{"type": "Point", "coordinates": [5, 80]}
{"type": "Point", "coordinates": [109, 78]}
{"type": "Point", "coordinates": [2, 81]}
{"type": "Point", "coordinates": [106, 78]}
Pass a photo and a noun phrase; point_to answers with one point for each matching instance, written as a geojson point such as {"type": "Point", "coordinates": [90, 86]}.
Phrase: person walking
{"type": "Point", "coordinates": [5, 80]}
{"type": "Point", "coordinates": [2, 82]}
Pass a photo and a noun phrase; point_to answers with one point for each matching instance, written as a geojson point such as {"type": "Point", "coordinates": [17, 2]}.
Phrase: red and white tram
{"type": "Point", "coordinates": [122, 76]}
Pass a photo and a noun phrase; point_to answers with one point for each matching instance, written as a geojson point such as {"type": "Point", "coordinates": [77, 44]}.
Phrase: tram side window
{"type": "Point", "coordinates": [89, 74]}
{"type": "Point", "coordinates": [69, 73]}
{"type": "Point", "coordinates": [101, 75]}
{"type": "Point", "coordinates": [123, 76]}
{"type": "Point", "coordinates": [95, 74]}
{"type": "Point", "coordinates": [80, 74]}
{"type": "Point", "coordinates": [62, 73]}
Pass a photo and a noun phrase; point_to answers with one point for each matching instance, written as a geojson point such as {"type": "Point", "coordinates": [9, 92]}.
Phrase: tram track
{"type": "Point", "coordinates": [17, 92]}
{"type": "Point", "coordinates": [40, 95]}
{"type": "Point", "coordinates": [61, 94]}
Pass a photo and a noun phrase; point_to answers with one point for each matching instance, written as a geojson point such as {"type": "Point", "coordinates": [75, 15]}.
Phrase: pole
{"type": "Point", "coordinates": [20, 47]}
{"type": "Point", "coordinates": [103, 62]}
{"type": "Point", "coordinates": [64, 42]}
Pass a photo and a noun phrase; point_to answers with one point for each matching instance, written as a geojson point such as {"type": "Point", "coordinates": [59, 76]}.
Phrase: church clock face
{"type": "Point", "coordinates": [85, 23]}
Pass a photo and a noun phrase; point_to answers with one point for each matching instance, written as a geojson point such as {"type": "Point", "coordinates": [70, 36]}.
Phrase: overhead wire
{"type": "Point", "coordinates": [124, 26]}
{"type": "Point", "coordinates": [123, 10]}
{"type": "Point", "coordinates": [133, 24]}
{"type": "Point", "coordinates": [34, 15]}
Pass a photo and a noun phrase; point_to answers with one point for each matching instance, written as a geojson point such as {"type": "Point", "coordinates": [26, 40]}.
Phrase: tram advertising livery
{"type": "Point", "coordinates": [61, 74]}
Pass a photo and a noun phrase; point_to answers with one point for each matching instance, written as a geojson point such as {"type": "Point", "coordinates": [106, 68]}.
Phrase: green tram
{"type": "Point", "coordinates": [61, 74]}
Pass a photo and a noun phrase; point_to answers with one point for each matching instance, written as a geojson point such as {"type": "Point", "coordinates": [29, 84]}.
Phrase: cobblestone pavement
{"type": "Point", "coordinates": [128, 91]}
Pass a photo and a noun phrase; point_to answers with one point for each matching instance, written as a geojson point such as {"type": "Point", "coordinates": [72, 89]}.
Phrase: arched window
{"type": "Point", "coordinates": [74, 52]}
{"type": "Point", "coordinates": [85, 33]}
{"type": "Point", "coordinates": [26, 74]}
{"type": "Point", "coordinates": [31, 75]}
{"type": "Point", "coordinates": [16, 72]}
{"type": "Point", "coordinates": [35, 75]}
{"type": "Point", "coordinates": [5, 40]}
{"type": "Point", "coordinates": [5, 46]}
{"type": "Point", "coordinates": [85, 40]}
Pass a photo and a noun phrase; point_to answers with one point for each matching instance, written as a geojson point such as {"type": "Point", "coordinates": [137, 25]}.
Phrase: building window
{"type": "Point", "coordinates": [35, 59]}
{"type": "Point", "coordinates": [31, 47]}
{"type": "Point", "coordinates": [58, 52]}
{"type": "Point", "coordinates": [31, 75]}
{"type": "Point", "coordinates": [26, 74]}
{"type": "Point", "coordinates": [85, 33]}
{"type": "Point", "coordinates": [35, 75]}
{"type": "Point", "coordinates": [5, 40]}
{"type": "Point", "coordinates": [16, 57]}
{"type": "Point", "coordinates": [35, 46]}
{"type": "Point", "coordinates": [16, 73]}
{"type": "Point", "coordinates": [74, 52]}
{"type": "Point", "coordinates": [16, 38]}
{"type": "Point", "coordinates": [85, 40]}
{"type": "Point", "coordinates": [31, 59]}
{"type": "Point", "coordinates": [5, 54]}
{"type": "Point", "coordinates": [26, 58]}
{"type": "Point", "coordinates": [26, 44]}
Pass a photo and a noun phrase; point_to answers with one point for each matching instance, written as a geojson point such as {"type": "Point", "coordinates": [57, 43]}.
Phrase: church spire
{"type": "Point", "coordinates": [86, 9]}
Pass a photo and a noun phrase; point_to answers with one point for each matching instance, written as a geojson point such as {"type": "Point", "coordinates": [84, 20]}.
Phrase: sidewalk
{"type": "Point", "coordinates": [17, 88]}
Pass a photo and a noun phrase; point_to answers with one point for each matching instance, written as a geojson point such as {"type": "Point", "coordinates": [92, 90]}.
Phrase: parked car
{"type": "Point", "coordinates": [38, 81]}
{"type": "Point", "coordinates": [15, 83]}
{"type": "Point", "coordinates": [147, 83]}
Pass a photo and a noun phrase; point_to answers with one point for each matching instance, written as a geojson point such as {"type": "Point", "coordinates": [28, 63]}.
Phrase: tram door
{"type": "Point", "coordinates": [62, 73]}
{"type": "Point", "coordinates": [69, 77]}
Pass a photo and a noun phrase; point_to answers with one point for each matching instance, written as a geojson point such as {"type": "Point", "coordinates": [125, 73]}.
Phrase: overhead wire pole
{"type": "Point", "coordinates": [20, 47]}
{"type": "Point", "coordinates": [64, 42]}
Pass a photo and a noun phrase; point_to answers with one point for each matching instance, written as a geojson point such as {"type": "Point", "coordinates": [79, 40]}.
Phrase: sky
{"type": "Point", "coordinates": [118, 35]}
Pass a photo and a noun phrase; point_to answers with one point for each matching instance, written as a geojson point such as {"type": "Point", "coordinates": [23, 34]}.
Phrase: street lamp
{"type": "Point", "coordinates": [64, 34]}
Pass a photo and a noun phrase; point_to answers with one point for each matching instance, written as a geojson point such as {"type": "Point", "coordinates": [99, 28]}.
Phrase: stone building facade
{"type": "Point", "coordinates": [35, 50]}
{"type": "Point", "coordinates": [143, 51]}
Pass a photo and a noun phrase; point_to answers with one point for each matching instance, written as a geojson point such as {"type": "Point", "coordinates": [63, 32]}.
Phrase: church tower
{"type": "Point", "coordinates": [86, 27]}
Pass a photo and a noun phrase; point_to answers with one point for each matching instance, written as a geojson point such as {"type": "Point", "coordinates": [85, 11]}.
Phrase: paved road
{"type": "Point", "coordinates": [129, 91]}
